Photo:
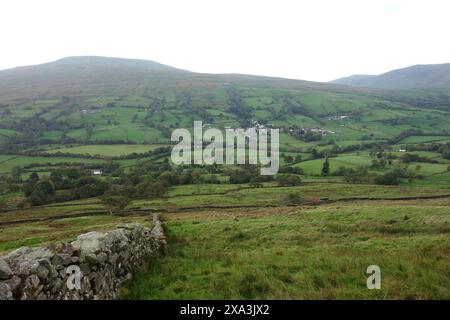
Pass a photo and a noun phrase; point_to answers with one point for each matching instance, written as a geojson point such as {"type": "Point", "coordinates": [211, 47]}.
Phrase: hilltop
{"type": "Point", "coordinates": [418, 76]}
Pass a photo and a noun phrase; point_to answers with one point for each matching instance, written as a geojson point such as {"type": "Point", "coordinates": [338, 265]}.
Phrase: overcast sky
{"type": "Point", "coordinates": [312, 40]}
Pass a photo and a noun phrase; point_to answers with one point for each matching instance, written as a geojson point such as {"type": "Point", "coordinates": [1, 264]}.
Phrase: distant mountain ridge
{"type": "Point", "coordinates": [418, 76]}
{"type": "Point", "coordinates": [85, 76]}
{"type": "Point", "coordinates": [96, 76]}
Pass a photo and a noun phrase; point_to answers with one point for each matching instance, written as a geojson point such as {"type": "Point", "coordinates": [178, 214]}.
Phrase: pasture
{"type": "Point", "coordinates": [303, 253]}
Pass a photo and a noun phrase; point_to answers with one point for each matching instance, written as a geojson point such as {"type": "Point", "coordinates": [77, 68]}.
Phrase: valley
{"type": "Point", "coordinates": [364, 179]}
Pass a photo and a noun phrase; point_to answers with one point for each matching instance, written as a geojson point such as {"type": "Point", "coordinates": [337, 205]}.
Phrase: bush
{"type": "Point", "coordinates": [389, 178]}
{"type": "Point", "coordinates": [113, 202]}
{"type": "Point", "coordinates": [288, 180]}
{"type": "Point", "coordinates": [293, 198]}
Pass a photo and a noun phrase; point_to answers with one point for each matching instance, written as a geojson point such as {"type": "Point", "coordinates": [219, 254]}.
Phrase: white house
{"type": "Point", "coordinates": [97, 172]}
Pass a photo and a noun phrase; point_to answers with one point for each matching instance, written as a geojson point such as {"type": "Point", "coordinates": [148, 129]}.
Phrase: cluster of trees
{"type": "Point", "coordinates": [146, 179]}
{"type": "Point", "coordinates": [355, 175]}
{"type": "Point", "coordinates": [306, 135]}
{"type": "Point", "coordinates": [408, 157]}
{"type": "Point", "coordinates": [288, 180]}
{"type": "Point", "coordinates": [62, 184]}
{"type": "Point", "coordinates": [248, 174]}
{"type": "Point", "coordinates": [395, 176]}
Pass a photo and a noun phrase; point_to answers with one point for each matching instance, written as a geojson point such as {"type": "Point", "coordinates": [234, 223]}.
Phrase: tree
{"type": "Point", "coordinates": [326, 168]}
{"type": "Point", "coordinates": [114, 202]}
{"type": "Point", "coordinates": [31, 182]}
{"type": "Point", "coordinates": [46, 187]}
{"type": "Point", "coordinates": [151, 189]}
{"type": "Point", "coordinates": [288, 159]}
{"type": "Point", "coordinates": [389, 178]}
{"type": "Point", "coordinates": [213, 179]}
{"type": "Point", "coordinates": [196, 177]}
{"type": "Point", "coordinates": [37, 198]}
{"type": "Point", "coordinates": [34, 177]}
{"type": "Point", "coordinates": [288, 180]}
{"type": "Point", "coordinates": [16, 173]}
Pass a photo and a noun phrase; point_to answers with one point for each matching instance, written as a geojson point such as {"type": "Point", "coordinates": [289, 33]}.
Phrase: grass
{"type": "Point", "coordinates": [419, 139]}
{"type": "Point", "coordinates": [314, 167]}
{"type": "Point", "coordinates": [7, 162]}
{"type": "Point", "coordinates": [272, 195]}
{"type": "Point", "coordinates": [303, 253]}
{"type": "Point", "coordinates": [107, 150]}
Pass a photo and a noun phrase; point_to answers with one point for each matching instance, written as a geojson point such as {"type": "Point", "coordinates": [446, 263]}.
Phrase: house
{"type": "Point", "coordinates": [97, 172]}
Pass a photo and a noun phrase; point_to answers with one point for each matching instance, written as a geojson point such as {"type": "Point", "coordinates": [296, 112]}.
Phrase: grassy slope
{"type": "Point", "coordinates": [283, 252]}
{"type": "Point", "coordinates": [304, 253]}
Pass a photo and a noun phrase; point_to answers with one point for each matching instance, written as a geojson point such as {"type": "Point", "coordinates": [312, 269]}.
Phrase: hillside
{"type": "Point", "coordinates": [418, 76]}
{"type": "Point", "coordinates": [78, 107]}
{"type": "Point", "coordinates": [92, 76]}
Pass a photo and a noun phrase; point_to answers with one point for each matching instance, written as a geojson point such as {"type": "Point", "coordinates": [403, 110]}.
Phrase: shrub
{"type": "Point", "coordinates": [288, 180]}
{"type": "Point", "coordinates": [293, 198]}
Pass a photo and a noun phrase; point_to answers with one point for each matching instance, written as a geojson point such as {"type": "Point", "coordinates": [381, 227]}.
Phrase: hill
{"type": "Point", "coordinates": [48, 111]}
{"type": "Point", "coordinates": [418, 76]}
{"type": "Point", "coordinates": [92, 76]}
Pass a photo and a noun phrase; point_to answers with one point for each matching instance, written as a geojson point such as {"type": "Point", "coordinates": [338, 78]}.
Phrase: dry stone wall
{"type": "Point", "coordinates": [92, 267]}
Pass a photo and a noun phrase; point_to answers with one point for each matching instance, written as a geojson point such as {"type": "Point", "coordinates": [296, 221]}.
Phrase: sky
{"type": "Point", "coordinates": [316, 40]}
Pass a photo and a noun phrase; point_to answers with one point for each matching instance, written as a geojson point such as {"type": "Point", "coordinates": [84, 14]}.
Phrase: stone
{"type": "Point", "coordinates": [42, 272]}
{"type": "Point", "coordinates": [113, 258]}
{"type": "Point", "coordinates": [56, 286]}
{"type": "Point", "coordinates": [63, 259]}
{"type": "Point", "coordinates": [42, 296]}
{"type": "Point", "coordinates": [89, 243]}
{"type": "Point", "coordinates": [14, 283]}
{"type": "Point", "coordinates": [27, 267]}
{"type": "Point", "coordinates": [116, 238]}
{"type": "Point", "coordinates": [5, 292]}
{"type": "Point", "coordinates": [84, 268]}
{"type": "Point", "coordinates": [32, 288]}
{"type": "Point", "coordinates": [102, 257]}
{"type": "Point", "coordinates": [32, 281]}
{"type": "Point", "coordinates": [105, 261]}
{"type": "Point", "coordinates": [38, 253]}
{"type": "Point", "coordinates": [57, 248]}
{"type": "Point", "coordinates": [14, 255]}
{"type": "Point", "coordinates": [92, 258]}
{"type": "Point", "coordinates": [75, 260]}
{"type": "Point", "coordinates": [5, 270]}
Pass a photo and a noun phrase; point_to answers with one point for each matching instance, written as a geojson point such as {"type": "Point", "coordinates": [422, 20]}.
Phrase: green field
{"type": "Point", "coordinates": [303, 253]}
{"type": "Point", "coordinates": [7, 162]}
{"type": "Point", "coordinates": [107, 150]}
{"type": "Point", "coordinates": [419, 139]}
